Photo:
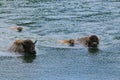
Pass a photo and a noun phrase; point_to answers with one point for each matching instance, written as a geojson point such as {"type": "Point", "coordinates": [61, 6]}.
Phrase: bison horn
{"type": "Point", "coordinates": [35, 42]}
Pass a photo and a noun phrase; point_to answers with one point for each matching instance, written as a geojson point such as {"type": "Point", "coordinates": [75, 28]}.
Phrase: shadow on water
{"type": "Point", "coordinates": [28, 58]}
{"type": "Point", "coordinates": [93, 51]}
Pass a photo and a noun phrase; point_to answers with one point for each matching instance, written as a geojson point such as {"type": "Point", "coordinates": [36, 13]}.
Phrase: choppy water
{"type": "Point", "coordinates": [51, 20]}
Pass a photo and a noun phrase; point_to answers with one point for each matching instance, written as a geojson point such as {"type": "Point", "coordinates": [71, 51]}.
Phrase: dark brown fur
{"type": "Point", "coordinates": [90, 41]}
{"type": "Point", "coordinates": [19, 29]}
{"type": "Point", "coordinates": [23, 46]}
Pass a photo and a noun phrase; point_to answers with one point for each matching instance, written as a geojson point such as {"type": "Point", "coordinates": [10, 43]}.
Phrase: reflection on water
{"type": "Point", "coordinates": [28, 58]}
{"type": "Point", "coordinates": [93, 50]}
{"type": "Point", "coordinates": [49, 21]}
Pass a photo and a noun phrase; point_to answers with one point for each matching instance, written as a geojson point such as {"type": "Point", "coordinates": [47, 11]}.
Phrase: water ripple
{"type": "Point", "coordinates": [49, 21]}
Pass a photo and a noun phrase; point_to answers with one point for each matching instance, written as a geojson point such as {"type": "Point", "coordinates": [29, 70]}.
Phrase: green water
{"type": "Point", "coordinates": [51, 20]}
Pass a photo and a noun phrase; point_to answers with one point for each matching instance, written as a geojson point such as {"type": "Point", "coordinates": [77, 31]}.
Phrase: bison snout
{"type": "Point", "coordinates": [33, 52]}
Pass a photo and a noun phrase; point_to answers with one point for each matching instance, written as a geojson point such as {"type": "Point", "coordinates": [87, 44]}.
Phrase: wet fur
{"type": "Point", "coordinates": [89, 41]}
{"type": "Point", "coordinates": [23, 46]}
{"type": "Point", "coordinates": [69, 42]}
{"type": "Point", "coordinates": [18, 28]}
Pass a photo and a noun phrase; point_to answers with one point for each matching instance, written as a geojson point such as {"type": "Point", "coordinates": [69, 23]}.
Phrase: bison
{"type": "Point", "coordinates": [23, 46]}
{"type": "Point", "coordinates": [89, 41]}
{"type": "Point", "coordinates": [18, 28]}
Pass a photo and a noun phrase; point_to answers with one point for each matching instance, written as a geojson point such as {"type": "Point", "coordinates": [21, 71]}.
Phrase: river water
{"type": "Point", "coordinates": [49, 21]}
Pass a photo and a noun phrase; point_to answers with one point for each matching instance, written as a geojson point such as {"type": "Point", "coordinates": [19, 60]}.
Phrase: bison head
{"type": "Point", "coordinates": [29, 46]}
{"type": "Point", "coordinates": [93, 41]}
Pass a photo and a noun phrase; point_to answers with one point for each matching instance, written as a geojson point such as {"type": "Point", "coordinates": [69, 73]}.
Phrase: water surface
{"type": "Point", "coordinates": [49, 21]}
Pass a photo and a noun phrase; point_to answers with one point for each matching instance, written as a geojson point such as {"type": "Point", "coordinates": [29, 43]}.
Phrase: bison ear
{"type": "Point", "coordinates": [35, 42]}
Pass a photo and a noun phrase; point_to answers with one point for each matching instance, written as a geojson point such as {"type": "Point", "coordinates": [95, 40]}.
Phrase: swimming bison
{"type": "Point", "coordinates": [23, 46]}
{"type": "Point", "coordinates": [17, 28]}
{"type": "Point", "coordinates": [89, 41]}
